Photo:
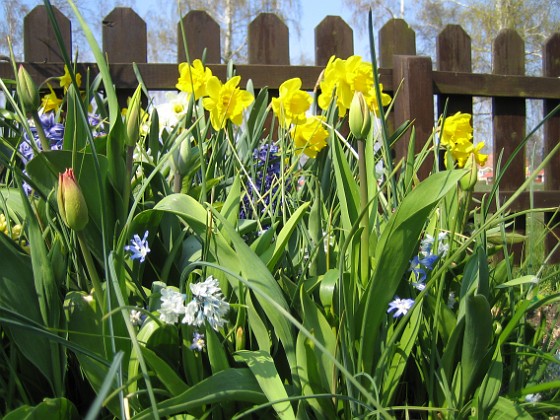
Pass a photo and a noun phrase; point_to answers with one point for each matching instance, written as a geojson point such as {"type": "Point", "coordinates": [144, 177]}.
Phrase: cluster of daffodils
{"type": "Point", "coordinates": [456, 136]}
{"type": "Point", "coordinates": [224, 101]}
{"type": "Point", "coordinates": [206, 305]}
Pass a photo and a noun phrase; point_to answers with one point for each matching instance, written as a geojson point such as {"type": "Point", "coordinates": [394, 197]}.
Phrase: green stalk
{"type": "Point", "coordinates": [364, 222]}
{"type": "Point", "coordinates": [44, 141]}
{"type": "Point", "coordinates": [96, 282]}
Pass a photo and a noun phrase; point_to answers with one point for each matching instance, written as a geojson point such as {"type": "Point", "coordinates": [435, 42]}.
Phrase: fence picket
{"type": "Point", "coordinates": [333, 36]}
{"type": "Point", "coordinates": [201, 32]}
{"type": "Point", "coordinates": [551, 68]}
{"type": "Point", "coordinates": [269, 41]}
{"type": "Point", "coordinates": [39, 40]}
{"type": "Point", "coordinates": [508, 114]}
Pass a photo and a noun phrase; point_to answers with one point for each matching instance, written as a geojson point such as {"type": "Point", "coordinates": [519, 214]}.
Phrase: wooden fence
{"type": "Point", "coordinates": [124, 37]}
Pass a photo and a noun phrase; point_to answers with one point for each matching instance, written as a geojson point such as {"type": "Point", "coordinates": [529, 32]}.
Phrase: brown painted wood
{"type": "Point", "coordinates": [269, 41]}
{"type": "Point", "coordinates": [453, 49]}
{"type": "Point", "coordinates": [551, 68]}
{"type": "Point", "coordinates": [201, 33]}
{"type": "Point", "coordinates": [125, 40]}
{"type": "Point", "coordinates": [395, 38]}
{"type": "Point", "coordinates": [333, 36]}
{"type": "Point", "coordinates": [39, 40]}
{"type": "Point", "coordinates": [415, 102]}
{"type": "Point", "coordinates": [508, 117]}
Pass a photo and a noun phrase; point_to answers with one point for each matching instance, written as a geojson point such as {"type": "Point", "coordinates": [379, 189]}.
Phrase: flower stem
{"type": "Point", "coordinates": [96, 282]}
{"type": "Point", "coordinates": [364, 222]}
{"type": "Point", "coordinates": [40, 132]}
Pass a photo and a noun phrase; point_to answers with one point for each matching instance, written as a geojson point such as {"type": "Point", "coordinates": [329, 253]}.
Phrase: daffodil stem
{"type": "Point", "coordinates": [177, 182]}
{"type": "Point", "coordinates": [364, 222]}
{"type": "Point", "coordinates": [40, 132]}
{"type": "Point", "coordinates": [96, 282]}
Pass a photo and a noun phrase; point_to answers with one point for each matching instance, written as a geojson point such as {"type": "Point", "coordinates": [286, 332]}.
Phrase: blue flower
{"type": "Point", "coordinates": [207, 304]}
{"type": "Point", "coordinates": [138, 247]}
{"type": "Point", "coordinates": [198, 342]}
{"type": "Point", "coordinates": [54, 132]}
{"type": "Point", "coordinates": [400, 306]}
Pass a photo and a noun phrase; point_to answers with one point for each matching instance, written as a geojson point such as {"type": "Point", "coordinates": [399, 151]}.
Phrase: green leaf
{"type": "Point", "coordinates": [165, 373]}
{"type": "Point", "coordinates": [395, 248]}
{"type": "Point", "coordinates": [225, 386]}
{"type": "Point", "coordinates": [506, 409]}
{"type": "Point", "coordinates": [346, 187]}
{"type": "Point", "coordinates": [489, 391]}
{"type": "Point", "coordinates": [50, 408]}
{"type": "Point", "coordinates": [216, 351]}
{"type": "Point", "coordinates": [261, 364]}
{"type": "Point", "coordinates": [284, 236]}
{"type": "Point", "coordinates": [476, 341]}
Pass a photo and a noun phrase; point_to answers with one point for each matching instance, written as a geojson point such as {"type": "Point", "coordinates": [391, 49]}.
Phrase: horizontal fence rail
{"type": "Point", "coordinates": [422, 85]}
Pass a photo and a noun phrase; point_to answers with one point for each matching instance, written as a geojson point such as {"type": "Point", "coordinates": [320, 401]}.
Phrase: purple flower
{"type": "Point", "coordinates": [54, 132]}
{"type": "Point", "coordinates": [138, 247]}
{"type": "Point", "coordinates": [198, 342]}
{"type": "Point", "coordinates": [400, 306]}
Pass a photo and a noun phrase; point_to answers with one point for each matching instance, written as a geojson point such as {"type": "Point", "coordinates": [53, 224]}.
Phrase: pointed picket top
{"type": "Point", "coordinates": [202, 33]}
{"type": "Point", "coordinates": [453, 47]}
{"type": "Point", "coordinates": [508, 53]}
{"type": "Point", "coordinates": [396, 37]}
{"type": "Point", "coordinates": [269, 41]}
{"type": "Point", "coordinates": [125, 38]}
{"type": "Point", "coordinates": [333, 36]}
{"type": "Point", "coordinates": [551, 56]}
{"type": "Point", "coordinates": [39, 40]}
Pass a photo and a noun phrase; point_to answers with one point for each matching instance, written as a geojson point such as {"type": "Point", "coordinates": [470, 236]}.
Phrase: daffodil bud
{"type": "Point", "coordinates": [71, 203]}
{"type": "Point", "coordinates": [468, 181]}
{"type": "Point", "coordinates": [27, 90]}
{"type": "Point", "coordinates": [359, 117]}
{"type": "Point", "coordinates": [133, 116]}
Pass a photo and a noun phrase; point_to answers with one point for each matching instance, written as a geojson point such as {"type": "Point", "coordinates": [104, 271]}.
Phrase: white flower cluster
{"type": "Point", "coordinates": [207, 304]}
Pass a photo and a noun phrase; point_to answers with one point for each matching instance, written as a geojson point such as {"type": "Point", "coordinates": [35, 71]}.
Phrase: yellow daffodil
{"type": "Point", "coordinates": [371, 99]}
{"type": "Point", "coordinates": [50, 101]}
{"type": "Point", "coordinates": [456, 129]}
{"type": "Point", "coordinates": [226, 101]}
{"type": "Point", "coordinates": [292, 104]}
{"type": "Point", "coordinates": [193, 79]}
{"type": "Point", "coordinates": [65, 80]}
{"type": "Point", "coordinates": [311, 136]}
{"type": "Point", "coordinates": [342, 78]}
{"type": "Point", "coordinates": [463, 150]}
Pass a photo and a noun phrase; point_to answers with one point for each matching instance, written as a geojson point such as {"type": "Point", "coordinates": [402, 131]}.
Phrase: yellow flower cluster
{"type": "Point", "coordinates": [224, 101]}
{"type": "Point", "coordinates": [15, 232]}
{"type": "Point", "coordinates": [291, 107]}
{"type": "Point", "coordinates": [456, 136]}
{"type": "Point", "coordinates": [342, 78]}
{"type": "Point", "coordinates": [50, 101]}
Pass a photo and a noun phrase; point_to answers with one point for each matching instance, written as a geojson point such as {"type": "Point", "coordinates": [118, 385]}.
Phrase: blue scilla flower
{"type": "Point", "coordinates": [266, 160]}
{"type": "Point", "coordinates": [400, 306]}
{"type": "Point", "coordinates": [54, 132]}
{"type": "Point", "coordinates": [138, 247]}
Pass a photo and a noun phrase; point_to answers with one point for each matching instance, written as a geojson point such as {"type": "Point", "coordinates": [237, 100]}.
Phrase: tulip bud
{"type": "Point", "coordinates": [181, 156]}
{"type": "Point", "coordinates": [27, 90]}
{"type": "Point", "coordinates": [133, 115]}
{"type": "Point", "coordinates": [359, 117]}
{"type": "Point", "coordinates": [468, 181]}
{"type": "Point", "coordinates": [71, 203]}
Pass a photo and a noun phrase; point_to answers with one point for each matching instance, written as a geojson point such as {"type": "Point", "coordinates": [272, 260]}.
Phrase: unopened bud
{"type": "Point", "coordinates": [182, 156]}
{"type": "Point", "coordinates": [359, 117]}
{"type": "Point", "coordinates": [27, 90]}
{"type": "Point", "coordinates": [133, 117]}
{"type": "Point", "coordinates": [71, 203]}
